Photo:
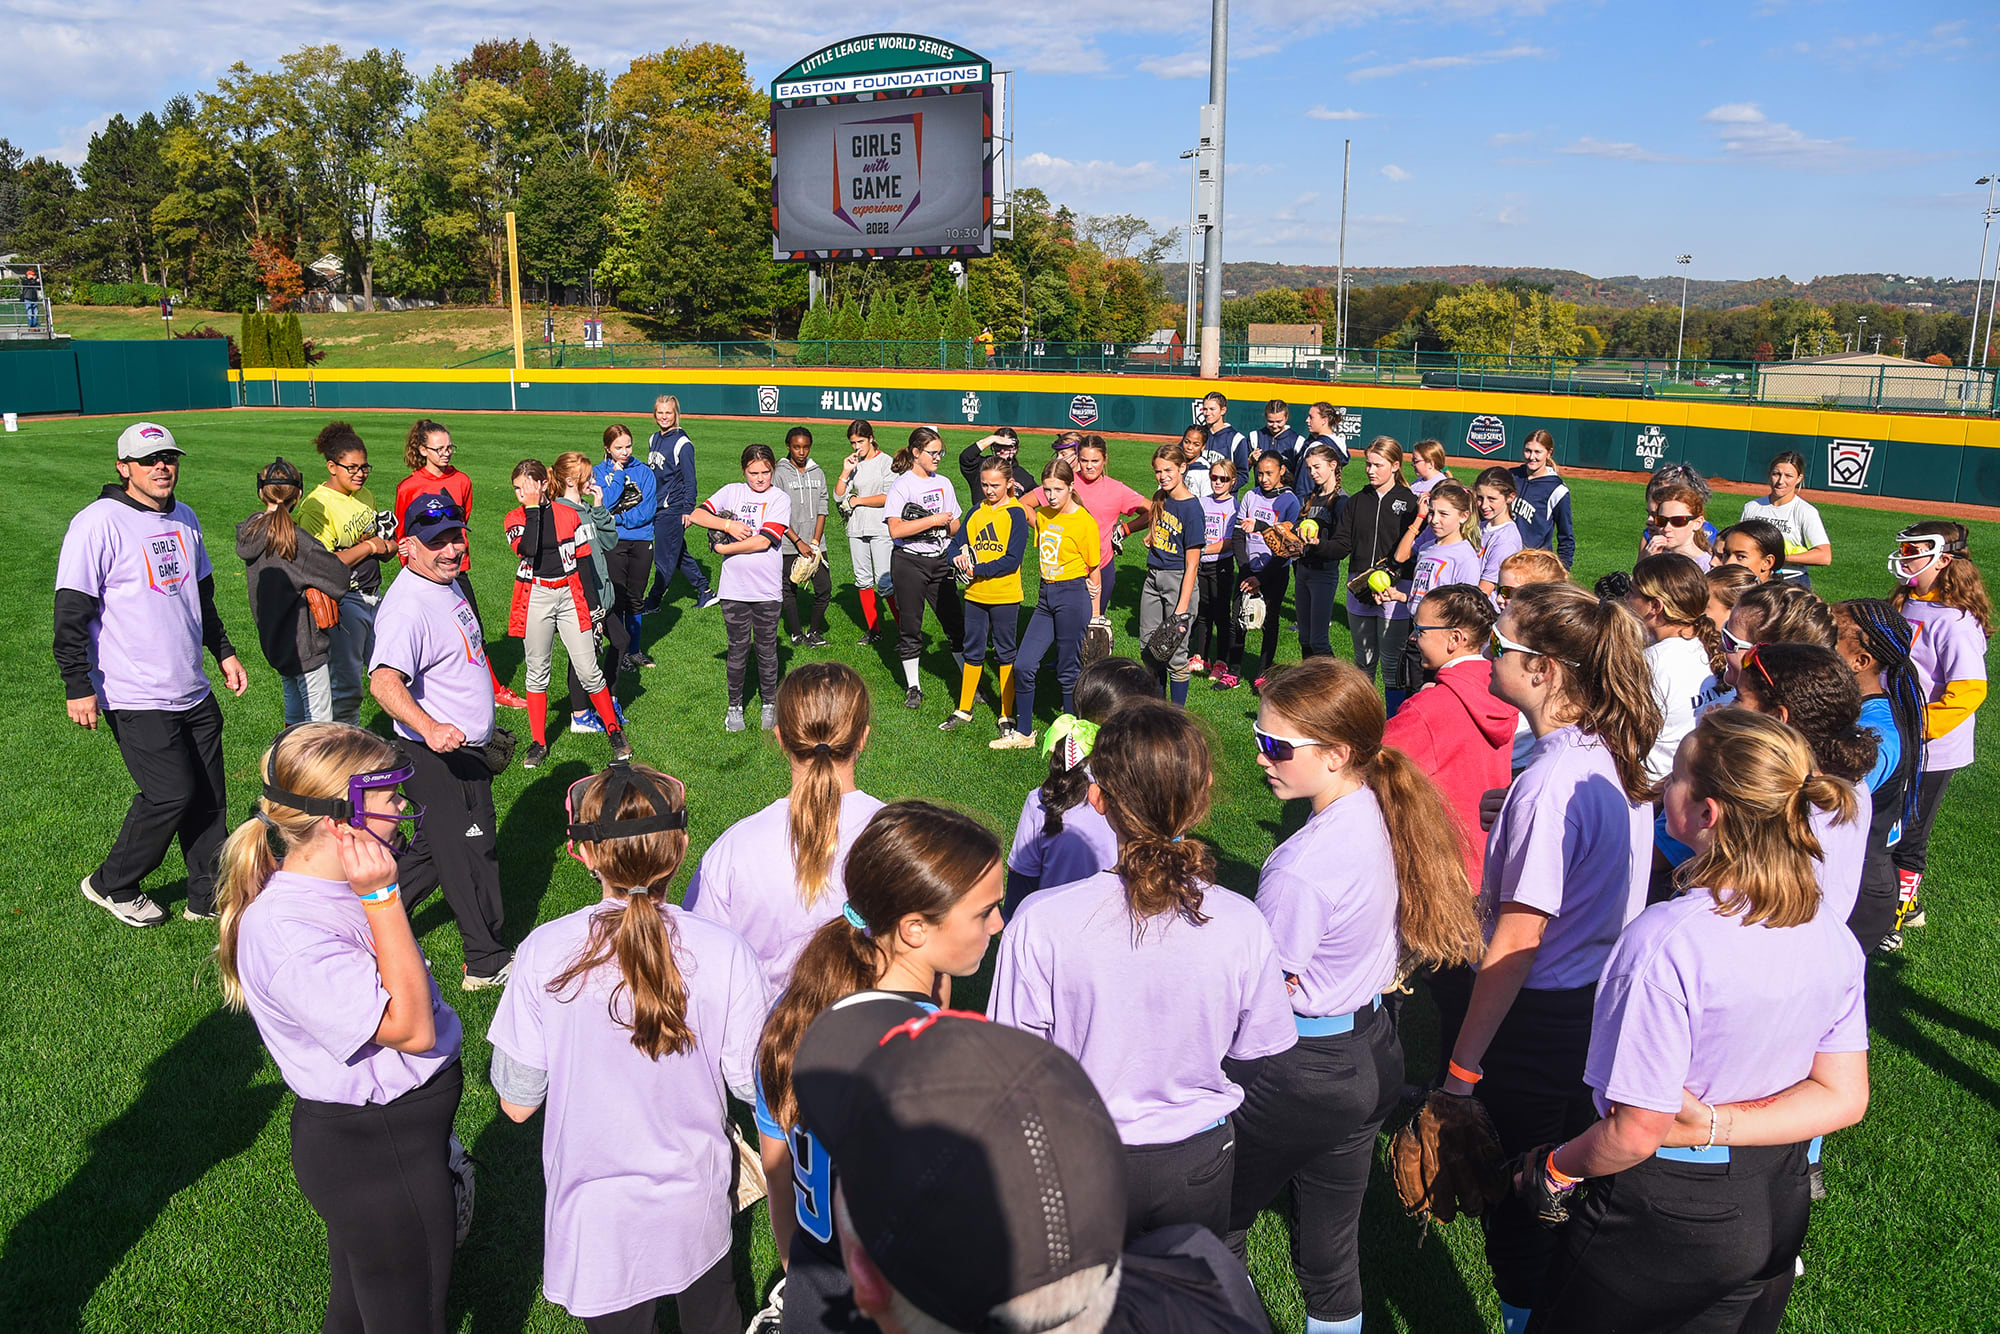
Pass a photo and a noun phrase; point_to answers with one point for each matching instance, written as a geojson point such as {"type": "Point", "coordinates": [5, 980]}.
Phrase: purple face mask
{"type": "Point", "coordinates": [353, 810]}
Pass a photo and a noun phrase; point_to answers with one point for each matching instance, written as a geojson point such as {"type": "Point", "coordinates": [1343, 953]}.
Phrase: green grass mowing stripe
{"type": "Point", "coordinates": [145, 1146]}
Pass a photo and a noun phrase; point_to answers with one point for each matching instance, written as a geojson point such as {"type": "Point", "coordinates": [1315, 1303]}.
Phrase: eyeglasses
{"type": "Point", "coordinates": [356, 469]}
{"type": "Point", "coordinates": [1669, 520]}
{"type": "Point", "coordinates": [1731, 644]}
{"type": "Point", "coordinates": [171, 458]}
{"type": "Point", "coordinates": [932, 453]}
{"type": "Point", "coordinates": [1500, 646]}
{"type": "Point", "coordinates": [1278, 749]}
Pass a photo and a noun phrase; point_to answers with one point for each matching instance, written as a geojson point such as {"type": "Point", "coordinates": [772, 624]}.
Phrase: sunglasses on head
{"type": "Point", "coordinates": [1500, 646]}
{"type": "Point", "coordinates": [1278, 749]}
{"type": "Point", "coordinates": [443, 509]}
{"type": "Point", "coordinates": [1752, 658]}
{"type": "Point", "coordinates": [1669, 520]}
{"type": "Point", "coordinates": [167, 456]}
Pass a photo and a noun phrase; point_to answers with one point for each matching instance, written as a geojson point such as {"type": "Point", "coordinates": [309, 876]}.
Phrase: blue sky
{"type": "Point", "coordinates": [1765, 136]}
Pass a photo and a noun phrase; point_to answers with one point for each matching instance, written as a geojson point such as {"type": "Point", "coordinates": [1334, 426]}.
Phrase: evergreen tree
{"type": "Point", "coordinates": [256, 348]}
{"type": "Point", "coordinates": [884, 327]}
{"type": "Point", "coordinates": [295, 342]}
{"type": "Point", "coordinates": [813, 332]}
{"type": "Point", "coordinates": [960, 328]}
{"type": "Point", "coordinates": [850, 329]}
{"type": "Point", "coordinates": [921, 329]}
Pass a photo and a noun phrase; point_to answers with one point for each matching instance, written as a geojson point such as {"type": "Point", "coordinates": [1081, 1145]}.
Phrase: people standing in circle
{"type": "Point", "coordinates": [775, 877]}
{"type": "Point", "coordinates": [429, 674]}
{"type": "Point", "coordinates": [1427, 461]}
{"type": "Point", "coordinates": [861, 492]}
{"type": "Point", "coordinates": [1676, 523]}
{"type": "Point", "coordinates": [550, 603]}
{"type": "Point", "coordinates": [134, 608]}
{"type": "Point", "coordinates": [1541, 500]}
{"type": "Point", "coordinates": [1940, 593]}
{"type": "Point", "coordinates": [340, 513]}
{"type": "Point", "coordinates": [752, 515]}
{"type": "Point", "coordinates": [1224, 439]}
{"type": "Point", "coordinates": [631, 492]}
{"type": "Point", "coordinates": [1321, 505]}
{"type": "Point", "coordinates": [1215, 598]}
{"type": "Point", "coordinates": [629, 1019]}
{"type": "Point", "coordinates": [574, 486]}
{"type": "Point", "coordinates": [1170, 596]}
{"type": "Point", "coordinates": [1737, 997]}
{"type": "Point", "coordinates": [1152, 976]}
{"type": "Point", "coordinates": [1060, 837]}
{"type": "Point", "coordinates": [1806, 542]}
{"type": "Point", "coordinates": [1500, 535]}
{"type": "Point", "coordinates": [670, 454]}
{"type": "Point", "coordinates": [1683, 649]}
{"type": "Point", "coordinates": [923, 902]}
{"type": "Point", "coordinates": [1369, 529]}
{"type": "Point", "coordinates": [1369, 890]}
{"type": "Point", "coordinates": [1265, 573]}
{"type": "Point", "coordinates": [316, 944]}
{"type": "Point", "coordinates": [1566, 869]}
{"type": "Point", "coordinates": [1758, 545]}
{"type": "Point", "coordinates": [923, 513]}
{"type": "Point", "coordinates": [283, 568]}
{"type": "Point", "coordinates": [986, 556]}
{"type": "Point", "coordinates": [1875, 641]}
{"type": "Point", "coordinates": [804, 484]}
{"type": "Point", "coordinates": [1066, 599]}
{"type": "Point", "coordinates": [1440, 551]}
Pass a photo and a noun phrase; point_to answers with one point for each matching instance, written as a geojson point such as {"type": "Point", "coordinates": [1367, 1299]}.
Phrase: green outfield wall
{"type": "Point", "coordinates": [94, 376]}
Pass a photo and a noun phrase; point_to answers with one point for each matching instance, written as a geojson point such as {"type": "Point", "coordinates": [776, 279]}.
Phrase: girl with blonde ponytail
{"type": "Point", "coordinates": [315, 944]}
{"type": "Point", "coordinates": [1728, 1030]}
{"type": "Point", "coordinates": [609, 1020]}
{"type": "Point", "coordinates": [1372, 885]}
{"type": "Point", "coordinates": [774, 878]}
{"type": "Point", "coordinates": [1567, 865]}
{"type": "Point", "coordinates": [1150, 975]}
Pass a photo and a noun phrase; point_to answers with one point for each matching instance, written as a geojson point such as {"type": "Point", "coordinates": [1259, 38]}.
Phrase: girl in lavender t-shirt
{"type": "Point", "coordinates": [750, 518]}
{"type": "Point", "coordinates": [776, 877]}
{"type": "Point", "coordinates": [1500, 536]}
{"type": "Point", "coordinates": [1739, 1004]}
{"type": "Point", "coordinates": [317, 946]}
{"type": "Point", "coordinates": [1151, 975]}
{"type": "Point", "coordinates": [1441, 546]}
{"type": "Point", "coordinates": [632, 1021]}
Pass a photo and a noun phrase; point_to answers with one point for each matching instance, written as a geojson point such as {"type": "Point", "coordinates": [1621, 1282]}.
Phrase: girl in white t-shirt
{"type": "Point", "coordinates": [749, 517]}
{"type": "Point", "coordinates": [1670, 597]}
{"type": "Point", "coordinates": [1805, 535]}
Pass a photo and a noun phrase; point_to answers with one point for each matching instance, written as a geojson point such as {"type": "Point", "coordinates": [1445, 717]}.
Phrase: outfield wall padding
{"type": "Point", "coordinates": [136, 376]}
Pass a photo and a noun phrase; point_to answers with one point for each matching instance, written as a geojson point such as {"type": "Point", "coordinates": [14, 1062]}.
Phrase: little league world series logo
{"type": "Point", "coordinates": [1847, 463]}
{"type": "Point", "coordinates": [767, 399]}
{"type": "Point", "coordinates": [1486, 434]}
{"type": "Point", "coordinates": [1083, 410]}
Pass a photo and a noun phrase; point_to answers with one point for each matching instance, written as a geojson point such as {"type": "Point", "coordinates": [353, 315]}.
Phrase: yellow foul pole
{"type": "Point", "coordinates": [514, 284]}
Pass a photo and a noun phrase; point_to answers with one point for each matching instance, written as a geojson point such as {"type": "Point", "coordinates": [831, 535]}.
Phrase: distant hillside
{"type": "Point", "coordinates": [1624, 291]}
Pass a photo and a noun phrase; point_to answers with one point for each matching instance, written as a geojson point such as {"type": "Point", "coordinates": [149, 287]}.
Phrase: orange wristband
{"type": "Point", "coordinates": [1556, 1174]}
{"type": "Point", "coordinates": [1458, 1071]}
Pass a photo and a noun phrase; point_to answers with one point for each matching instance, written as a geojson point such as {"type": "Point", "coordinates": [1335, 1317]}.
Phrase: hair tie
{"type": "Point", "coordinates": [1179, 837]}
{"type": "Point", "coordinates": [822, 749]}
{"type": "Point", "coordinates": [856, 920]}
{"type": "Point", "coordinates": [257, 813]}
{"type": "Point", "coordinates": [1077, 736]}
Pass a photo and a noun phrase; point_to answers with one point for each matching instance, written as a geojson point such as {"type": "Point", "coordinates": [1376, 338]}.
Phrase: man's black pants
{"type": "Point", "coordinates": [175, 756]}
{"type": "Point", "coordinates": [456, 848]}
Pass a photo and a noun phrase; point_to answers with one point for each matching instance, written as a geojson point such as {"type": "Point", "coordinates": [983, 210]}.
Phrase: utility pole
{"type": "Point", "coordinates": [514, 282]}
{"type": "Point", "coordinates": [1681, 338]}
{"type": "Point", "coordinates": [1193, 158]}
{"type": "Point", "coordinates": [1989, 180]}
{"type": "Point", "coordinates": [1340, 286]}
{"type": "Point", "coordinates": [1211, 254]}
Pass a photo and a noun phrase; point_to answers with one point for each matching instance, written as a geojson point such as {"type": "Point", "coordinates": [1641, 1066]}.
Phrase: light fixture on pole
{"type": "Point", "coordinates": [1680, 339]}
{"type": "Point", "coordinates": [1989, 180]}
{"type": "Point", "coordinates": [1860, 330]}
{"type": "Point", "coordinates": [1193, 158]}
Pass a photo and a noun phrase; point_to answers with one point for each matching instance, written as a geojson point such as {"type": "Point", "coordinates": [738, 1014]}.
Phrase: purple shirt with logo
{"type": "Point", "coordinates": [1949, 647]}
{"type": "Point", "coordinates": [1149, 1013]}
{"type": "Point", "coordinates": [1329, 893]}
{"type": "Point", "coordinates": [144, 569]}
{"type": "Point", "coordinates": [426, 631]}
{"type": "Point", "coordinates": [753, 576]}
{"type": "Point", "coordinates": [933, 495]}
{"type": "Point", "coordinates": [1083, 846]}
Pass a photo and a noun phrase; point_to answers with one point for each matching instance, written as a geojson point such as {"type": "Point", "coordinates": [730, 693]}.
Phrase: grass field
{"type": "Point", "coordinates": [143, 1132]}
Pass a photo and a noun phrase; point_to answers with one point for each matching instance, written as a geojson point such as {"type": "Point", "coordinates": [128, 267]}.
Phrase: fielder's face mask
{"type": "Point", "coordinates": [352, 810]}
{"type": "Point", "coordinates": [619, 779]}
{"type": "Point", "coordinates": [1917, 552]}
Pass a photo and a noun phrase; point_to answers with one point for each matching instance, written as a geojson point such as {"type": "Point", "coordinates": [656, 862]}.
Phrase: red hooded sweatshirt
{"type": "Point", "coordinates": [1463, 737]}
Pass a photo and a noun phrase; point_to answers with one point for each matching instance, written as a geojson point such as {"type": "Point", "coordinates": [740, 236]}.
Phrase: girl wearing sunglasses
{"type": "Point", "coordinates": [1151, 976]}
{"type": "Point", "coordinates": [631, 1020]}
{"type": "Point", "coordinates": [316, 945]}
{"type": "Point", "coordinates": [1369, 891]}
{"type": "Point", "coordinates": [1729, 1029]}
{"type": "Point", "coordinates": [1676, 522]}
{"type": "Point", "coordinates": [1566, 869]}
{"type": "Point", "coordinates": [1772, 614]}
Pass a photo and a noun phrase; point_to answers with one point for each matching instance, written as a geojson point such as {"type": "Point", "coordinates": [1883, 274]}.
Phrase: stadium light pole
{"type": "Point", "coordinates": [1211, 251]}
{"type": "Point", "coordinates": [1993, 299]}
{"type": "Point", "coordinates": [1989, 180]}
{"type": "Point", "coordinates": [1860, 331]}
{"type": "Point", "coordinates": [1193, 158]}
{"type": "Point", "coordinates": [1680, 339]}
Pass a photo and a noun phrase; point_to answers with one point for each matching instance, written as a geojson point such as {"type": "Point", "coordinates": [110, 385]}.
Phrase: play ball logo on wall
{"type": "Point", "coordinates": [1486, 434]}
{"type": "Point", "coordinates": [767, 399]}
{"type": "Point", "coordinates": [1083, 410]}
{"type": "Point", "coordinates": [1847, 464]}
{"type": "Point", "coordinates": [1651, 447]}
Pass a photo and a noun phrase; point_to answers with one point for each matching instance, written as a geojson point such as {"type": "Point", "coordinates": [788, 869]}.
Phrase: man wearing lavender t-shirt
{"type": "Point", "coordinates": [429, 673]}
{"type": "Point", "coordinates": [134, 607]}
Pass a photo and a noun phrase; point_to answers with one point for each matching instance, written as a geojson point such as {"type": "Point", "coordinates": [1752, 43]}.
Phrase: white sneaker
{"type": "Point", "coordinates": [772, 1318]}
{"type": "Point", "coordinates": [472, 981]}
{"type": "Point", "coordinates": [1012, 740]}
{"type": "Point", "coordinates": [140, 911]}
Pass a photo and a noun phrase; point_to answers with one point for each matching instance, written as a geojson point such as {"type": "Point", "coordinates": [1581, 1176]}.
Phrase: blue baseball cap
{"type": "Point", "coordinates": [430, 517]}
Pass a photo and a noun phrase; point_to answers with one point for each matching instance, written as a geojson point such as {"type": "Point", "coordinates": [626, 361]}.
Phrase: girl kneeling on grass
{"type": "Point", "coordinates": [1066, 547]}
{"type": "Point", "coordinates": [1729, 1029]}
{"type": "Point", "coordinates": [316, 946]}
{"type": "Point", "coordinates": [752, 515]}
{"type": "Point", "coordinates": [550, 601]}
{"type": "Point", "coordinates": [629, 1019]}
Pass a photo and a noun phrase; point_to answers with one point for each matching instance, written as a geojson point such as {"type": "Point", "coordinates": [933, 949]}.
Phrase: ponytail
{"type": "Point", "coordinates": [1887, 637]}
{"type": "Point", "coordinates": [823, 721]}
{"type": "Point", "coordinates": [1601, 648]}
{"type": "Point", "coordinates": [1679, 586]}
{"type": "Point", "coordinates": [1152, 768]}
{"type": "Point", "coordinates": [275, 528]}
{"type": "Point", "coordinates": [1100, 688]}
{"type": "Point", "coordinates": [906, 456]}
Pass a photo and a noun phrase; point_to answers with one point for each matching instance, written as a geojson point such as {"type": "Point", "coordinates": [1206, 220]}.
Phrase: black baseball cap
{"type": "Point", "coordinates": [977, 1161]}
{"type": "Point", "coordinates": [429, 517]}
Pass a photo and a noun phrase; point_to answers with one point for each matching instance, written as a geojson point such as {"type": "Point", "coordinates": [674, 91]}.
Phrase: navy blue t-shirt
{"type": "Point", "coordinates": [1181, 525]}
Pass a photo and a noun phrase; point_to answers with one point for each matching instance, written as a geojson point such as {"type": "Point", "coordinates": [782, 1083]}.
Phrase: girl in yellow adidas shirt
{"type": "Point", "coordinates": [1066, 554]}
{"type": "Point", "coordinates": [986, 555]}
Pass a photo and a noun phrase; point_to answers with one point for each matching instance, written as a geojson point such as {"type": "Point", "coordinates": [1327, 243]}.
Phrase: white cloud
{"type": "Point", "coordinates": [1616, 151]}
{"type": "Point", "coordinates": [1424, 63]}
{"type": "Point", "coordinates": [1504, 138]}
{"type": "Point", "coordinates": [1748, 135]}
{"type": "Point", "coordinates": [1063, 178]}
{"type": "Point", "coordinates": [1326, 113]}
{"type": "Point", "coordinates": [75, 145]}
{"type": "Point", "coordinates": [1186, 65]}
{"type": "Point", "coordinates": [1395, 173]}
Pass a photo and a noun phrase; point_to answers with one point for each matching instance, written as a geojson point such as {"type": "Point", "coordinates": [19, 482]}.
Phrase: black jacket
{"type": "Point", "coordinates": [971, 460]}
{"type": "Point", "coordinates": [1327, 512]}
{"type": "Point", "coordinates": [1371, 525]}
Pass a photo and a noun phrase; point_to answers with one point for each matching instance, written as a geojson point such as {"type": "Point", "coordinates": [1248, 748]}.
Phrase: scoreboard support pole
{"type": "Point", "coordinates": [1211, 255]}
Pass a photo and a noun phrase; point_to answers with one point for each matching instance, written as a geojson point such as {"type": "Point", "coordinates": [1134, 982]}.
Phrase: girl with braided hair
{"type": "Point", "coordinates": [1669, 595]}
{"type": "Point", "coordinates": [1875, 642]}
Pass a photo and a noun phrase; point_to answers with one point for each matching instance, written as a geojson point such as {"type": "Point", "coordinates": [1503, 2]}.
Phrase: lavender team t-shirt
{"type": "Point", "coordinates": [932, 495]}
{"type": "Point", "coordinates": [1083, 846]}
{"type": "Point", "coordinates": [1502, 541]}
{"type": "Point", "coordinates": [143, 567]}
{"type": "Point", "coordinates": [1569, 844]}
{"type": "Point", "coordinates": [1149, 1018]}
{"type": "Point", "coordinates": [1698, 1001]}
{"type": "Point", "coordinates": [1329, 893]}
{"type": "Point", "coordinates": [427, 631]}
{"type": "Point", "coordinates": [1949, 647]}
{"type": "Point", "coordinates": [1439, 564]}
{"type": "Point", "coordinates": [1843, 848]}
{"type": "Point", "coordinates": [746, 881]}
{"type": "Point", "coordinates": [635, 1151]}
{"type": "Point", "coordinates": [306, 959]}
{"type": "Point", "coordinates": [754, 576]}
{"type": "Point", "coordinates": [1217, 518]}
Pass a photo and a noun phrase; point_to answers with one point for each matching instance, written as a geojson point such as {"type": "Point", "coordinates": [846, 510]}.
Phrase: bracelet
{"type": "Point", "coordinates": [374, 905]}
{"type": "Point", "coordinates": [1711, 1127]}
{"type": "Point", "coordinates": [1557, 1178]}
{"type": "Point", "coordinates": [382, 895]}
{"type": "Point", "coordinates": [1458, 1071]}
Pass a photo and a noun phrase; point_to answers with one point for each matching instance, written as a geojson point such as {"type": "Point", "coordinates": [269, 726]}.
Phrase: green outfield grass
{"type": "Point", "coordinates": [143, 1132]}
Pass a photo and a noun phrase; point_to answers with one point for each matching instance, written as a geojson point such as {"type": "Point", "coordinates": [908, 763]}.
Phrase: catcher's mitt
{"type": "Point", "coordinates": [1546, 1204]}
{"type": "Point", "coordinates": [1284, 541]}
{"type": "Point", "coordinates": [1166, 641]}
{"type": "Point", "coordinates": [1447, 1160]}
{"type": "Point", "coordinates": [805, 567]}
{"type": "Point", "coordinates": [1250, 615]}
{"type": "Point", "coordinates": [325, 610]}
{"type": "Point", "coordinates": [718, 537]}
{"type": "Point", "coordinates": [1096, 641]}
{"type": "Point", "coordinates": [912, 512]}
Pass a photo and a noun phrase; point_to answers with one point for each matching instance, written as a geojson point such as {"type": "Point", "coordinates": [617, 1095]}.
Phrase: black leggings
{"type": "Point", "coordinates": [1912, 851]}
{"type": "Point", "coordinates": [921, 579]}
{"type": "Point", "coordinates": [377, 1175]}
{"type": "Point", "coordinates": [1184, 1182]}
{"type": "Point", "coordinates": [792, 596]}
{"type": "Point", "coordinates": [1215, 612]}
{"type": "Point", "coordinates": [706, 1306]}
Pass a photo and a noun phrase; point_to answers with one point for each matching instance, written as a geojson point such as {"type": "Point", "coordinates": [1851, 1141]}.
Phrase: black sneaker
{"type": "Point", "coordinates": [914, 699]}
{"type": "Point", "coordinates": [796, 640]}
{"type": "Point", "coordinates": [871, 638]}
{"type": "Point", "coordinates": [650, 605]}
{"type": "Point", "coordinates": [621, 749]}
{"type": "Point", "coordinates": [533, 754]}
{"type": "Point", "coordinates": [952, 721]}
{"type": "Point", "coordinates": [640, 660]}
{"type": "Point", "coordinates": [815, 640]}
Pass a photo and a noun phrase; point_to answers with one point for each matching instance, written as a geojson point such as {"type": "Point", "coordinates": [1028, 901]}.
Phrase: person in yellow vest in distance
{"type": "Point", "coordinates": [986, 556]}
{"type": "Point", "coordinates": [985, 340]}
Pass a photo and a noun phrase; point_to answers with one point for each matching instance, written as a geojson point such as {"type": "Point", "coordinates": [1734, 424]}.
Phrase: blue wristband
{"type": "Point", "coordinates": [382, 895]}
